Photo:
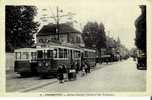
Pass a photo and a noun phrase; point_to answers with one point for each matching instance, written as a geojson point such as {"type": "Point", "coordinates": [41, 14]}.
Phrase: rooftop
{"type": "Point", "coordinates": [50, 29]}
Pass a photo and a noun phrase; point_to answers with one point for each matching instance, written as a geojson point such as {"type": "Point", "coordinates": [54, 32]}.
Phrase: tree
{"type": "Point", "coordinates": [101, 37]}
{"type": "Point", "coordinates": [94, 35]}
{"type": "Point", "coordinates": [20, 27]}
{"type": "Point", "coordinates": [140, 24]}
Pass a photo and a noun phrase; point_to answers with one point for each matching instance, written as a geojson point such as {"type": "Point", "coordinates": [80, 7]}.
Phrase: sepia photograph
{"type": "Point", "coordinates": [78, 47]}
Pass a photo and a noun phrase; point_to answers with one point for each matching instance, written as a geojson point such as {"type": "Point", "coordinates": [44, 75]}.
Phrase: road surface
{"type": "Point", "coordinates": [121, 76]}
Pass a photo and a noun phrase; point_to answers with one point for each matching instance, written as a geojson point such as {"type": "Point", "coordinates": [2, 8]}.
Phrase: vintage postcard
{"type": "Point", "coordinates": [75, 48]}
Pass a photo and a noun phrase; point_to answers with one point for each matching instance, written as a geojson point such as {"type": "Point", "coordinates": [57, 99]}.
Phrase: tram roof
{"type": "Point", "coordinates": [65, 47]}
{"type": "Point", "coordinates": [25, 50]}
{"type": "Point", "coordinates": [91, 50]}
{"type": "Point", "coordinates": [44, 48]}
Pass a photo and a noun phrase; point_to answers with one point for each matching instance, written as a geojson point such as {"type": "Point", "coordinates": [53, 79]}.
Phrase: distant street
{"type": "Point", "coordinates": [120, 76]}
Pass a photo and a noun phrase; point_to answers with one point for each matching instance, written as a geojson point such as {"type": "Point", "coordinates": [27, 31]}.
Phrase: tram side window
{"type": "Point", "coordinates": [40, 54]}
{"type": "Point", "coordinates": [74, 54]}
{"type": "Point", "coordinates": [68, 53]}
{"type": "Point", "coordinates": [49, 54]}
{"type": "Point", "coordinates": [77, 54]}
{"type": "Point", "coordinates": [90, 54]}
{"type": "Point", "coordinates": [94, 55]}
{"type": "Point", "coordinates": [55, 53]}
{"type": "Point", "coordinates": [18, 55]}
{"type": "Point", "coordinates": [61, 53]}
{"type": "Point", "coordinates": [65, 53]}
{"type": "Point", "coordinates": [86, 54]}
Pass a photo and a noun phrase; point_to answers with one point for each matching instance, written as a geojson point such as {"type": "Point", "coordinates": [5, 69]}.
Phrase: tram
{"type": "Point", "coordinates": [49, 59]}
{"type": "Point", "coordinates": [25, 61]}
{"type": "Point", "coordinates": [90, 57]}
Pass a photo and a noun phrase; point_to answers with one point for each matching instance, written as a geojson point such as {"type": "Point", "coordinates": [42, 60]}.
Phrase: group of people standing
{"type": "Point", "coordinates": [65, 74]}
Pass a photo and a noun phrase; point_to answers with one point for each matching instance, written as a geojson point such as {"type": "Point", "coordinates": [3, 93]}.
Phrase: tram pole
{"type": "Point", "coordinates": [57, 18]}
{"type": "Point", "coordinates": [57, 23]}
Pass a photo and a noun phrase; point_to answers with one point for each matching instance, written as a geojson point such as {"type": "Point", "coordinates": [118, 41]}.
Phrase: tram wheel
{"type": "Point", "coordinates": [45, 76]}
{"type": "Point", "coordinates": [24, 74]}
{"type": "Point", "coordinates": [42, 76]}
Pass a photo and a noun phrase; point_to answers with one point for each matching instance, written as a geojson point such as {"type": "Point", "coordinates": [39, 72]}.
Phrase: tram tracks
{"type": "Point", "coordinates": [37, 86]}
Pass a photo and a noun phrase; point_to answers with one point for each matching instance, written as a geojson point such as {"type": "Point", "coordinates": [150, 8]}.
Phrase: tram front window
{"type": "Point", "coordinates": [18, 55]}
{"type": "Point", "coordinates": [49, 53]}
{"type": "Point", "coordinates": [40, 54]}
{"type": "Point", "coordinates": [24, 55]}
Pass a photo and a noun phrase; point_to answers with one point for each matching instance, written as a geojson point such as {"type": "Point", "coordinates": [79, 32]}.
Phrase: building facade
{"type": "Point", "coordinates": [67, 35]}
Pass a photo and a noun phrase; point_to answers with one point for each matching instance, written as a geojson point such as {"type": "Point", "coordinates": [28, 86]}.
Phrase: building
{"type": "Point", "coordinates": [67, 35]}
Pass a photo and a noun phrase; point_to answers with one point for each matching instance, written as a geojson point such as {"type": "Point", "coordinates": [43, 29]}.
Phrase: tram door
{"type": "Point", "coordinates": [71, 57]}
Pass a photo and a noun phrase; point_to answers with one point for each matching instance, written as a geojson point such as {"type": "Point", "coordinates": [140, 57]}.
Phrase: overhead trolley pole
{"type": "Point", "coordinates": [57, 17]}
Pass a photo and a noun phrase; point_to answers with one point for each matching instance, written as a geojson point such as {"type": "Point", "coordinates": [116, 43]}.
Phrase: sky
{"type": "Point", "coordinates": [117, 17]}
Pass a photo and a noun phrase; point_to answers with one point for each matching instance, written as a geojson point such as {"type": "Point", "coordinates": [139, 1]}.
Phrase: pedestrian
{"type": "Point", "coordinates": [60, 74]}
{"type": "Point", "coordinates": [77, 67]}
{"type": "Point", "coordinates": [72, 72]}
{"type": "Point", "coordinates": [65, 76]}
{"type": "Point", "coordinates": [83, 69]}
{"type": "Point", "coordinates": [87, 67]}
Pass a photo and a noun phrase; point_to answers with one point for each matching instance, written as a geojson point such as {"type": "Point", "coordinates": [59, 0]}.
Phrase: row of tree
{"type": "Point", "coordinates": [94, 36]}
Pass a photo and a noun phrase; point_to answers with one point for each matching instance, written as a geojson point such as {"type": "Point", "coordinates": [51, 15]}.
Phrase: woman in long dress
{"type": "Point", "coordinates": [60, 74]}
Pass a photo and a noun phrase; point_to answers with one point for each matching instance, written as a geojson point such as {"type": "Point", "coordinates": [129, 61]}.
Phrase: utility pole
{"type": "Point", "coordinates": [57, 23]}
{"type": "Point", "coordinates": [57, 18]}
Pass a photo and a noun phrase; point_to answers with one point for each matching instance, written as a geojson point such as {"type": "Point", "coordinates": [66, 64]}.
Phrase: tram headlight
{"type": "Point", "coordinates": [46, 64]}
{"type": "Point", "coordinates": [39, 64]}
